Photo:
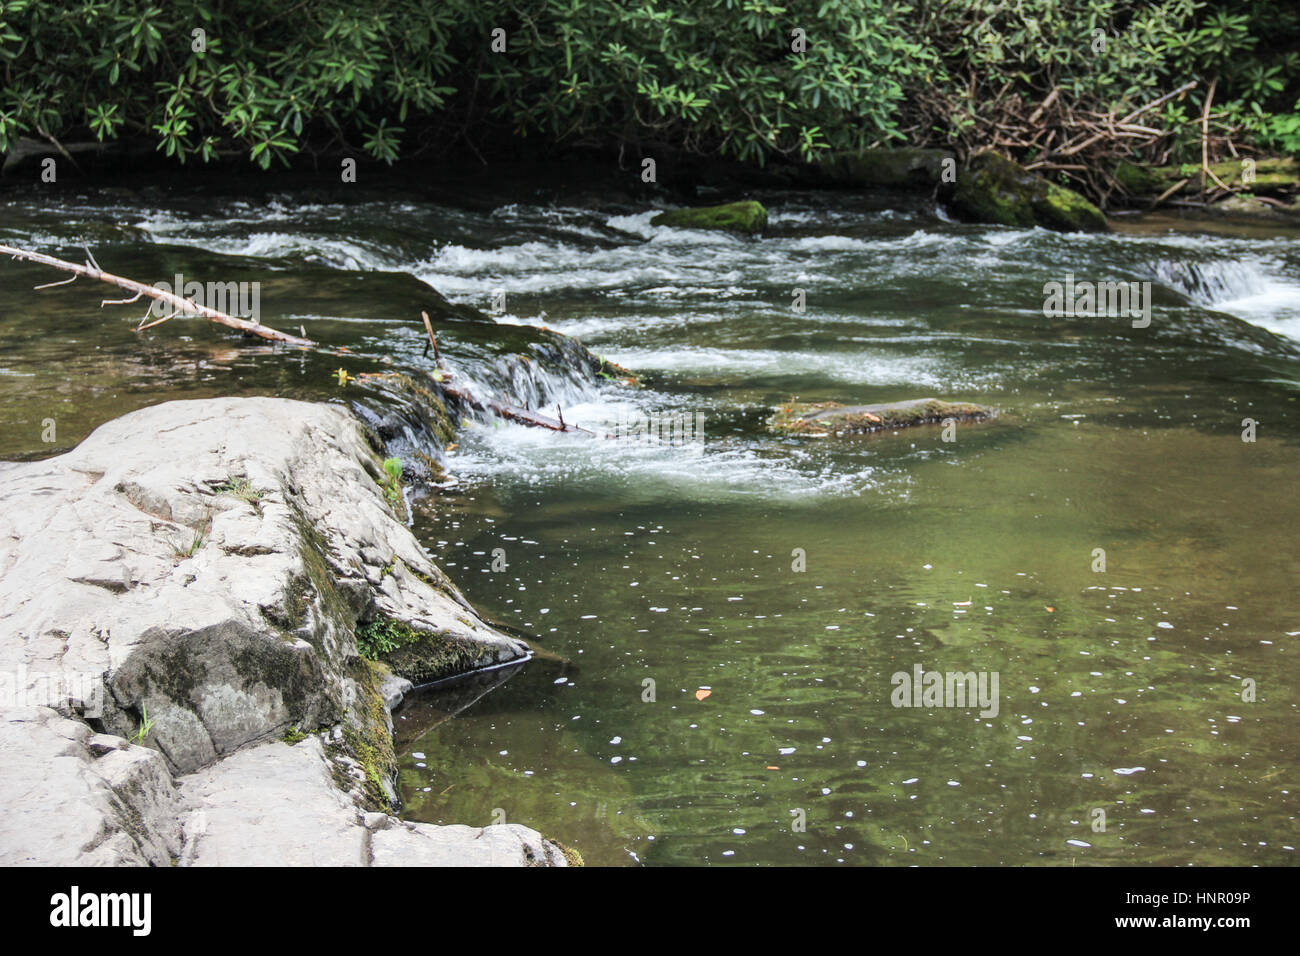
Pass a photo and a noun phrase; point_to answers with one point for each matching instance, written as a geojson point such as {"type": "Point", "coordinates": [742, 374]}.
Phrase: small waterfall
{"type": "Point", "coordinates": [1211, 284]}
{"type": "Point", "coordinates": [537, 374]}
{"type": "Point", "coordinates": [1257, 292]}
{"type": "Point", "coordinates": [412, 419]}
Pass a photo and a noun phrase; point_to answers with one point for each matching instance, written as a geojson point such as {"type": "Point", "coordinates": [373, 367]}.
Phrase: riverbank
{"type": "Point", "coordinates": [984, 187]}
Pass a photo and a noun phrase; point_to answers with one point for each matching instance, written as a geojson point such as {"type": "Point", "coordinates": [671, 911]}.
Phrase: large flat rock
{"type": "Point", "coordinates": [275, 805]}
{"type": "Point", "coordinates": [191, 578]}
{"type": "Point", "coordinates": [206, 562]}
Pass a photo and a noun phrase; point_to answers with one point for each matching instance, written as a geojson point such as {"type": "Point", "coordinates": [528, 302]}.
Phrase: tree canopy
{"type": "Point", "coordinates": [747, 79]}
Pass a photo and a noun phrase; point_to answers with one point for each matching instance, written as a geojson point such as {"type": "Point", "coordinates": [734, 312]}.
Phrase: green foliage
{"type": "Point", "coordinates": [383, 636]}
{"type": "Point", "coordinates": [146, 725]}
{"type": "Point", "coordinates": [242, 489]}
{"type": "Point", "coordinates": [293, 736]}
{"type": "Point", "coordinates": [392, 483]}
{"type": "Point", "coordinates": [1282, 132]}
{"type": "Point", "coordinates": [276, 77]}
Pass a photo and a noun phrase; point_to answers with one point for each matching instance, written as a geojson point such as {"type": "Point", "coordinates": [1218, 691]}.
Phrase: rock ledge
{"type": "Point", "coordinates": [192, 577]}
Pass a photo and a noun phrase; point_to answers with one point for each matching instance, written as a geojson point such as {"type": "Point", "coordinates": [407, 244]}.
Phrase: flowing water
{"type": "Point", "coordinates": [720, 621]}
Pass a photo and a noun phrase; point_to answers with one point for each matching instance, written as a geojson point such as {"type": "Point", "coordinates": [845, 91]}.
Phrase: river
{"type": "Point", "coordinates": [721, 621]}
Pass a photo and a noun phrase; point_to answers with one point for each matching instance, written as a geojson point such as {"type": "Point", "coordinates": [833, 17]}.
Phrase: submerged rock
{"type": "Point", "coordinates": [817, 419]}
{"type": "Point", "coordinates": [994, 189]}
{"type": "Point", "coordinates": [748, 217]}
{"type": "Point", "coordinates": [193, 577]}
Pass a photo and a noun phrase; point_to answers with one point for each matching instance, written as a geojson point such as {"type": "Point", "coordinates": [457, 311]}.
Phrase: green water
{"type": "Point", "coordinates": [1119, 690]}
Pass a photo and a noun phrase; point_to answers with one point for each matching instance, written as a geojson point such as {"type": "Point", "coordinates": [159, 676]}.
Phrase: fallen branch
{"type": "Point", "coordinates": [91, 270]}
{"type": "Point", "coordinates": [1170, 191]}
{"type": "Point", "coordinates": [510, 412]}
{"type": "Point", "coordinates": [179, 304]}
{"type": "Point", "coordinates": [428, 327]}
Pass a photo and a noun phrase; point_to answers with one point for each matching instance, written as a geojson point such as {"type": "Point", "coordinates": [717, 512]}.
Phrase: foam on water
{"type": "Point", "coordinates": [1253, 290]}
{"type": "Point", "coordinates": [865, 367]}
{"type": "Point", "coordinates": [718, 469]}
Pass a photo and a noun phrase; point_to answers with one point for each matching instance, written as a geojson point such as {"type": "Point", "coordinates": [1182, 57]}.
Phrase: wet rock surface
{"type": "Point", "coordinates": [746, 217]}
{"type": "Point", "coordinates": [994, 189]}
{"type": "Point", "coordinates": [819, 419]}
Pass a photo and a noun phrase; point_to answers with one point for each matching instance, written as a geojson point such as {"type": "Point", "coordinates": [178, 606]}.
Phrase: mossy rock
{"type": "Point", "coordinates": [891, 168]}
{"type": "Point", "coordinates": [819, 419]}
{"type": "Point", "coordinates": [1276, 176]}
{"type": "Point", "coordinates": [994, 189]}
{"type": "Point", "coordinates": [420, 656]}
{"type": "Point", "coordinates": [748, 217]}
{"type": "Point", "coordinates": [109, 233]}
{"type": "Point", "coordinates": [368, 739]}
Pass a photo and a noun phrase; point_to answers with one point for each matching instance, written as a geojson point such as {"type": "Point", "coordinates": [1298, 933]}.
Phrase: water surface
{"type": "Point", "coordinates": [1120, 690]}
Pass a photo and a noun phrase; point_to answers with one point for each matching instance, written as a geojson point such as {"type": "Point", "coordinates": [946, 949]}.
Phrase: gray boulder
{"type": "Point", "coordinates": [209, 561]}
{"type": "Point", "coordinates": [192, 577]}
{"type": "Point", "coordinates": [69, 796]}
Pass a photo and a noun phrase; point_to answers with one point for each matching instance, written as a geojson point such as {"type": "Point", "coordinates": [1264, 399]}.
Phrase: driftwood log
{"type": "Point", "coordinates": [179, 304]}
{"type": "Point", "coordinates": [510, 412]}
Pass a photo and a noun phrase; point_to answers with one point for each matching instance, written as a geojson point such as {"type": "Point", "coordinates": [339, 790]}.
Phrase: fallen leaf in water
{"type": "Point", "coordinates": [1051, 610]}
{"type": "Point", "coordinates": [773, 768]}
{"type": "Point", "coordinates": [452, 446]}
{"type": "Point", "coordinates": [701, 694]}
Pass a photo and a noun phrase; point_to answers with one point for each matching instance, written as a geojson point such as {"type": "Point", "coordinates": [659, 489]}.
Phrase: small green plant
{"type": "Point", "coordinates": [393, 479]}
{"type": "Point", "coordinates": [380, 637]}
{"type": "Point", "coordinates": [242, 489]}
{"type": "Point", "coordinates": [146, 725]}
{"type": "Point", "coordinates": [188, 551]}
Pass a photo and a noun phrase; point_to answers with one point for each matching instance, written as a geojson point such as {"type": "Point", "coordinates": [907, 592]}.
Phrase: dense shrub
{"type": "Point", "coordinates": [728, 77]}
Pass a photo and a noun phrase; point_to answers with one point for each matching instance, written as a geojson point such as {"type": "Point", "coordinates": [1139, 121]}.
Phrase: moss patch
{"type": "Point", "coordinates": [368, 740]}
{"type": "Point", "coordinates": [570, 854]}
{"type": "Point", "coordinates": [748, 217]}
{"type": "Point", "coordinates": [426, 397]}
{"type": "Point", "coordinates": [1271, 177]}
{"type": "Point", "coordinates": [418, 655]}
{"type": "Point", "coordinates": [614, 372]}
